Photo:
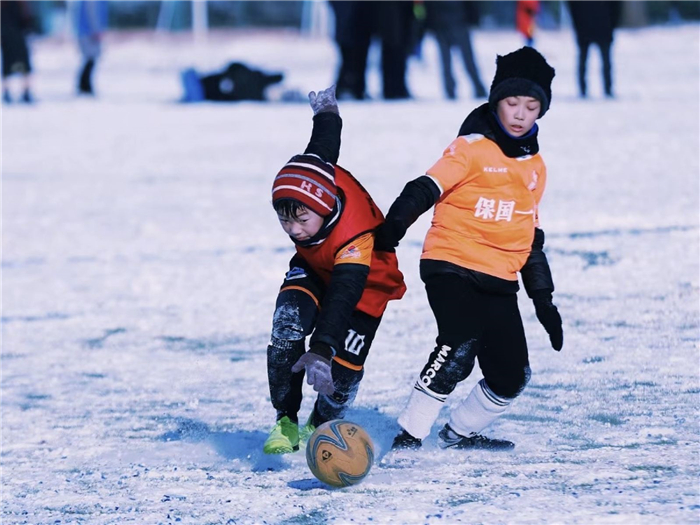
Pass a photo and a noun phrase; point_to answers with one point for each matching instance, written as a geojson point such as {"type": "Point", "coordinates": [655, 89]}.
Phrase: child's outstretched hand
{"type": "Point", "coordinates": [324, 101]}
{"type": "Point", "coordinates": [318, 372]}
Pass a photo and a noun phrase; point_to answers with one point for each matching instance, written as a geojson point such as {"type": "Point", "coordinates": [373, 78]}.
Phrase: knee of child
{"type": "Point", "coordinates": [455, 354]}
{"type": "Point", "coordinates": [295, 315]}
{"type": "Point", "coordinates": [513, 385]}
{"type": "Point", "coordinates": [291, 323]}
{"type": "Point", "coordinates": [284, 331]}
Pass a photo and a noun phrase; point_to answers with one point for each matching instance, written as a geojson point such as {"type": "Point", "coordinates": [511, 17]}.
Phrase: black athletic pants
{"type": "Point", "coordinates": [474, 324]}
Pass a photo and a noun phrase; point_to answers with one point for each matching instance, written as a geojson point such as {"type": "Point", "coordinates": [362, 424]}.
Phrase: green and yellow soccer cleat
{"type": "Point", "coordinates": [306, 431]}
{"type": "Point", "coordinates": [283, 438]}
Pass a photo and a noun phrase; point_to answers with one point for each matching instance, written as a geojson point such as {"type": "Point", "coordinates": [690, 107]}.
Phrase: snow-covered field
{"type": "Point", "coordinates": [141, 260]}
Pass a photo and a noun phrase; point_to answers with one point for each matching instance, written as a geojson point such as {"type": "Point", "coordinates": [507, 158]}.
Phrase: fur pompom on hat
{"type": "Point", "coordinates": [308, 180]}
{"type": "Point", "coordinates": [522, 73]}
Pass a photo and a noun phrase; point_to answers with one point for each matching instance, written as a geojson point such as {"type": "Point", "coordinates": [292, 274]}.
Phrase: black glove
{"type": "Point", "coordinates": [548, 316]}
{"type": "Point", "coordinates": [385, 238]}
{"type": "Point", "coordinates": [318, 369]}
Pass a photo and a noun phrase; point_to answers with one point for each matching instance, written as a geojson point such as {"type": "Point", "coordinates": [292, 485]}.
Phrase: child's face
{"type": "Point", "coordinates": [306, 224]}
{"type": "Point", "coordinates": [518, 114]}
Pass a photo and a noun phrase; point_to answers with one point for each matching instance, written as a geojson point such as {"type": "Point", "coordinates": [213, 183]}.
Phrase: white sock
{"type": "Point", "coordinates": [481, 408]}
{"type": "Point", "coordinates": [421, 411]}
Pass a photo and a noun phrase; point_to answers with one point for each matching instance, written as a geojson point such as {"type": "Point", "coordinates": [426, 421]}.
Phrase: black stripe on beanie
{"type": "Point", "coordinates": [327, 168]}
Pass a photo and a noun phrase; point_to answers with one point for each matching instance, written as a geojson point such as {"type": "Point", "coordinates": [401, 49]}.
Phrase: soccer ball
{"type": "Point", "coordinates": [340, 453]}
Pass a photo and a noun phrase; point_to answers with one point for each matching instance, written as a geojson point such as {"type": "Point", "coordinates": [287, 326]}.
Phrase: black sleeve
{"type": "Point", "coordinates": [325, 137]}
{"type": "Point", "coordinates": [537, 277]}
{"type": "Point", "coordinates": [344, 292]}
{"type": "Point", "coordinates": [416, 198]}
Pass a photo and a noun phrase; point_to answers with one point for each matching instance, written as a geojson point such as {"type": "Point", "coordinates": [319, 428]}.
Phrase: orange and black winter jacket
{"type": "Point", "coordinates": [356, 277]}
{"type": "Point", "coordinates": [359, 216]}
{"type": "Point", "coordinates": [486, 189]}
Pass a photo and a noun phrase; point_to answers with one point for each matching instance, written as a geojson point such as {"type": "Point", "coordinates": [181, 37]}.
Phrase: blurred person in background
{"type": "Point", "coordinates": [395, 29]}
{"type": "Point", "coordinates": [594, 23]}
{"type": "Point", "coordinates": [90, 21]}
{"type": "Point", "coordinates": [353, 34]}
{"type": "Point", "coordinates": [16, 21]}
{"type": "Point", "coordinates": [234, 83]}
{"type": "Point", "coordinates": [450, 23]}
{"type": "Point", "coordinates": [356, 23]}
{"type": "Point", "coordinates": [525, 19]}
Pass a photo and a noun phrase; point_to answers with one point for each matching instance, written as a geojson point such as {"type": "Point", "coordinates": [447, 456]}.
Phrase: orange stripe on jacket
{"type": "Point", "coordinates": [347, 364]}
{"type": "Point", "coordinates": [302, 289]}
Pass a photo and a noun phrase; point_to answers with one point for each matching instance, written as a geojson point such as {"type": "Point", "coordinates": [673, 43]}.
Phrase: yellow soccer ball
{"type": "Point", "coordinates": [340, 453]}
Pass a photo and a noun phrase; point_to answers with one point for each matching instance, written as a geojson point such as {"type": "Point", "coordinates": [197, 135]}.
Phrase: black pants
{"type": "Point", "coordinates": [604, 47]}
{"type": "Point", "coordinates": [356, 24]}
{"type": "Point", "coordinates": [353, 36]}
{"type": "Point", "coordinates": [474, 324]}
{"type": "Point", "coordinates": [15, 52]}
{"type": "Point", "coordinates": [85, 78]}
{"type": "Point", "coordinates": [458, 36]}
{"type": "Point", "coordinates": [294, 319]}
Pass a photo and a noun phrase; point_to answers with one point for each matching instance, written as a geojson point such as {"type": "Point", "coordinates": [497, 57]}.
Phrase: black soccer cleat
{"type": "Point", "coordinates": [404, 440]}
{"type": "Point", "coordinates": [450, 439]}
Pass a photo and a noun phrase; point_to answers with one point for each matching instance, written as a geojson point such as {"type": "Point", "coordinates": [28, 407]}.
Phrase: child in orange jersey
{"type": "Point", "coordinates": [486, 189]}
{"type": "Point", "coordinates": [336, 289]}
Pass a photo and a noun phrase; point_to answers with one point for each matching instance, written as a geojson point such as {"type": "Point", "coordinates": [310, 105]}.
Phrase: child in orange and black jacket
{"type": "Point", "coordinates": [336, 289]}
{"type": "Point", "coordinates": [486, 189]}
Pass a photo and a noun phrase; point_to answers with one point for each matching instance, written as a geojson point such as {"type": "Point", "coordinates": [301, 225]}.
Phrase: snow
{"type": "Point", "coordinates": [141, 261]}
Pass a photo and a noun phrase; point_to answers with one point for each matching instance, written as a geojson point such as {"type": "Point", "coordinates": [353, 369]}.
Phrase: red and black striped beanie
{"type": "Point", "coordinates": [308, 180]}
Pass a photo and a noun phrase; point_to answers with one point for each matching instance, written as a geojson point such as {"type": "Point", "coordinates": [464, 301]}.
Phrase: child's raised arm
{"type": "Point", "coordinates": [325, 136]}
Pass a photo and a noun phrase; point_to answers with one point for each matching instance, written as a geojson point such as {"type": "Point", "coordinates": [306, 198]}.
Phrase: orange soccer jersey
{"type": "Point", "coordinates": [486, 215]}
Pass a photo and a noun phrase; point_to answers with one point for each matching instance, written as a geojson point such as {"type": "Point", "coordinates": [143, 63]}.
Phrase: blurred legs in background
{"type": "Point", "coordinates": [355, 25]}
{"type": "Point", "coordinates": [451, 24]}
{"type": "Point", "coordinates": [85, 78]}
{"type": "Point", "coordinates": [353, 31]}
{"type": "Point", "coordinates": [16, 21]}
{"type": "Point", "coordinates": [90, 21]}
{"type": "Point", "coordinates": [595, 23]}
{"type": "Point", "coordinates": [459, 37]}
{"type": "Point", "coordinates": [604, 47]}
{"type": "Point", "coordinates": [394, 28]}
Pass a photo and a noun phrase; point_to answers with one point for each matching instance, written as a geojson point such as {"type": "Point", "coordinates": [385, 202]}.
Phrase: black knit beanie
{"type": "Point", "coordinates": [522, 73]}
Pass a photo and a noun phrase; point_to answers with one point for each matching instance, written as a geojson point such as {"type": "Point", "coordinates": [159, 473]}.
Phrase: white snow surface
{"type": "Point", "coordinates": [141, 262]}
